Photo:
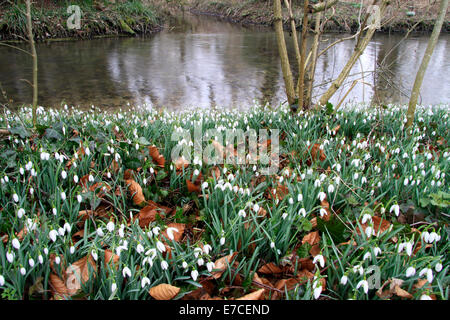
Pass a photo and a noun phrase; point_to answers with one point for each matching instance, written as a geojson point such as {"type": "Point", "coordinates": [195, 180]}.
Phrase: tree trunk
{"type": "Point", "coordinates": [301, 77]}
{"type": "Point", "coordinates": [359, 49]}
{"type": "Point", "coordinates": [423, 66]}
{"type": "Point", "coordinates": [285, 66]}
{"type": "Point", "coordinates": [35, 62]}
{"type": "Point", "coordinates": [312, 69]}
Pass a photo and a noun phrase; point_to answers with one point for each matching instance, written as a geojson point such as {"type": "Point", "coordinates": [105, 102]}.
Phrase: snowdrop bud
{"type": "Point", "coordinates": [16, 244]}
{"type": "Point", "coordinates": [20, 213]}
{"type": "Point", "coordinates": [72, 250]}
{"type": "Point", "coordinates": [58, 260]}
{"type": "Point", "coordinates": [54, 211]}
{"type": "Point", "coordinates": [100, 232]}
{"type": "Point", "coordinates": [41, 259]}
{"type": "Point", "coordinates": [300, 197]}
{"type": "Point", "coordinates": [63, 174]}
{"type": "Point", "coordinates": [113, 287]}
{"type": "Point", "coordinates": [425, 297]}
{"type": "Point", "coordinates": [23, 271]}
{"type": "Point", "coordinates": [410, 272]}
{"type": "Point", "coordinates": [438, 267]}
{"type": "Point", "coordinates": [79, 198]}
{"type": "Point", "coordinates": [94, 255]}
{"type": "Point", "coordinates": [15, 197]}
{"type": "Point", "coordinates": [222, 241]}
{"type": "Point", "coordinates": [110, 226]}
{"type": "Point", "coordinates": [344, 279]}
{"type": "Point", "coordinates": [194, 274]}
{"type": "Point", "coordinates": [63, 196]}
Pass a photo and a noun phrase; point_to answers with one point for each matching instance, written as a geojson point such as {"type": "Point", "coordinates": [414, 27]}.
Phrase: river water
{"type": "Point", "coordinates": [203, 62]}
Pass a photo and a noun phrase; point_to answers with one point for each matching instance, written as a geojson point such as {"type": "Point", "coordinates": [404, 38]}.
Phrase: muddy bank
{"type": "Point", "coordinates": [345, 18]}
{"type": "Point", "coordinates": [50, 22]}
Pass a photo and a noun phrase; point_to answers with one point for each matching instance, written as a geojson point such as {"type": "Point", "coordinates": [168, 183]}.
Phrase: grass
{"type": "Point", "coordinates": [89, 201]}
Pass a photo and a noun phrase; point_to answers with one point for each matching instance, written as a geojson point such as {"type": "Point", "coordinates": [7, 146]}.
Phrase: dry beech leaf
{"type": "Point", "coordinates": [149, 212]}
{"type": "Point", "coordinates": [192, 187]}
{"type": "Point", "coordinates": [270, 268]}
{"type": "Point", "coordinates": [314, 149]}
{"type": "Point", "coordinates": [111, 259]}
{"type": "Point", "coordinates": [312, 238]}
{"type": "Point", "coordinates": [58, 287]}
{"type": "Point", "coordinates": [136, 191]}
{"type": "Point", "coordinates": [79, 272]}
{"type": "Point", "coordinates": [156, 156]}
{"type": "Point", "coordinates": [164, 292]}
{"type": "Point", "coordinates": [380, 225]}
{"type": "Point", "coordinates": [181, 163]}
{"type": "Point", "coordinates": [221, 265]}
{"type": "Point", "coordinates": [255, 295]}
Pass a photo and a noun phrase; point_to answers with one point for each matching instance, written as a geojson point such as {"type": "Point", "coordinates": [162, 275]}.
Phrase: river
{"type": "Point", "coordinates": [203, 62]}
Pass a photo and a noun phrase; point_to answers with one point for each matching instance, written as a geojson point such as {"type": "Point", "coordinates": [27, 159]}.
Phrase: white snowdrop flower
{"type": "Point", "coordinates": [317, 183]}
{"type": "Point", "coordinates": [100, 232]}
{"type": "Point", "coordinates": [160, 246]}
{"type": "Point", "coordinates": [429, 275]}
{"type": "Point", "coordinates": [367, 256]}
{"type": "Point", "coordinates": [15, 197]}
{"type": "Point", "coordinates": [2, 281]}
{"type": "Point", "coordinates": [184, 265]}
{"type": "Point", "coordinates": [91, 178]}
{"type": "Point", "coordinates": [46, 251]}
{"type": "Point", "coordinates": [170, 231]}
{"type": "Point", "coordinates": [302, 212]}
{"type": "Point", "coordinates": [319, 258]}
{"type": "Point", "coordinates": [300, 197]}
{"type": "Point", "coordinates": [57, 260]}
{"type": "Point", "coordinates": [20, 213]}
{"type": "Point", "coordinates": [323, 212]}
{"type": "Point", "coordinates": [10, 256]}
{"type": "Point", "coordinates": [155, 230]}
{"type": "Point", "coordinates": [75, 179]}
{"type": "Point", "coordinates": [291, 201]}
{"type": "Point", "coordinates": [284, 216]}
{"type": "Point", "coordinates": [425, 297]}
{"type": "Point", "coordinates": [63, 196]}
{"type": "Point", "coordinates": [366, 217]}
{"type": "Point", "coordinates": [364, 284]}
{"type": "Point", "coordinates": [63, 174]}
{"type": "Point", "coordinates": [222, 241]}
{"type": "Point", "coordinates": [72, 250]}
{"type": "Point", "coordinates": [87, 151]}
{"type": "Point", "coordinates": [396, 209]}
{"type": "Point", "coordinates": [194, 274]}
{"type": "Point", "coordinates": [344, 280]}
{"type": "Point", "coordinates": [94, 255]}
{"type": "Point", "coordinates": [204, 185]}
{"type": "Point", "coordinates": [359, 269]}
{"type": "Point", "coordinates": [355, 176]}
{"type": "Point", "coordinates": [363, 180]}
{"type": "Point", "coordinates": [322, 195]}
{"type": "Point", "coordinates": [409, 248]}
{"type": "Point", "coordinates": [41, 259]}
{"type": "Point", "coordinates": [330, 188]}
{"type": "Point", "coordinates": [16, 244]}
{"type": "Point", "coordinates": [256, 208]}
{"type": "Point", "coordinates": [207, 248]}
{"type": "Point", "coordinates": [21, 171]}
{"type": "Point", "coordinates": [139, 248]}
{"type": "Point", "coordinates": [438, 267]}
{"type": "Point", "coordinates": [200, 261]}
{"type": "Point", "coordinates": [164, 265]}
{"type": "Point", "coordinates": [67, 227]}
{"type": "Point", "coordinates": [126, 272]}
{"type": "Point", "coordinates": [61, 231]}
{"type": "Point", "coordinates": [53, 234]}
{"type": "Point", "coordinates": [272, 244]}
{"type": "Point", "coordinates": [31, 191]}
{"type": "Point", "coordinates": [410, 272]}
{"type": "Point", "coordinates": [145, 282]}
{"type": "Point", "coordinates": [434, 237]}
{"type": "Point", "coordinates": [110, 226]}
{"type": "Point", "coordinates": [425, 236]}
{"type": "Point", "coordinates": [23, 271]}
{"type": "Point", "coordinates": [79, 198]}
{"type": "Point", "coordinates": [121, 232]}
{"type": "Point", "coordinates": [210, 266]}
{"type": "Point", "coordinates": [241, 213]}
{"type": "Point", "coordinates": [317, 291]}
{"type": "Point", "coordinates": [377, 251]}
{"type": "Point", "coordinates": [401, 246]}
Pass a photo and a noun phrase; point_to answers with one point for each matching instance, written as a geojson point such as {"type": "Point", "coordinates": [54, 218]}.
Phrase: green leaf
{"type": "Point", "coordinates": [144, 142]}
{"type": "Point", "coordinates": [53, 134]}
{"type": "Point", "coordinates": [21, 131]}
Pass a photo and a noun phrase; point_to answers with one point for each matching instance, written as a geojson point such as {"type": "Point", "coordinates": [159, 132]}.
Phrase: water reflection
{"type": "Point", "coordinates": [199, 61]}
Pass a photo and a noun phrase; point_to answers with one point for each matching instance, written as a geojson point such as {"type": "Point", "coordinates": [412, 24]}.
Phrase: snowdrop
{"type": "Point", "coordinates": [411, 271]}
{"type": "Point", "coordinates": [319, 258]}
{"type": "Point", "coordinates": [396, 209]}
{"type": "Point", "coordinates": [364, 284]}
{"type": "Point", "coordinates": [164, 265]}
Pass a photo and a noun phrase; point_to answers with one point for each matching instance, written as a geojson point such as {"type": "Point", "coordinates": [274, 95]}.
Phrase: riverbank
{"type": "Point", "coordinates": [345, 19]}
{"type": "Point", "coordinates": [50, 20]}
{"type": "Point", "coordinates": [96, 205]}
